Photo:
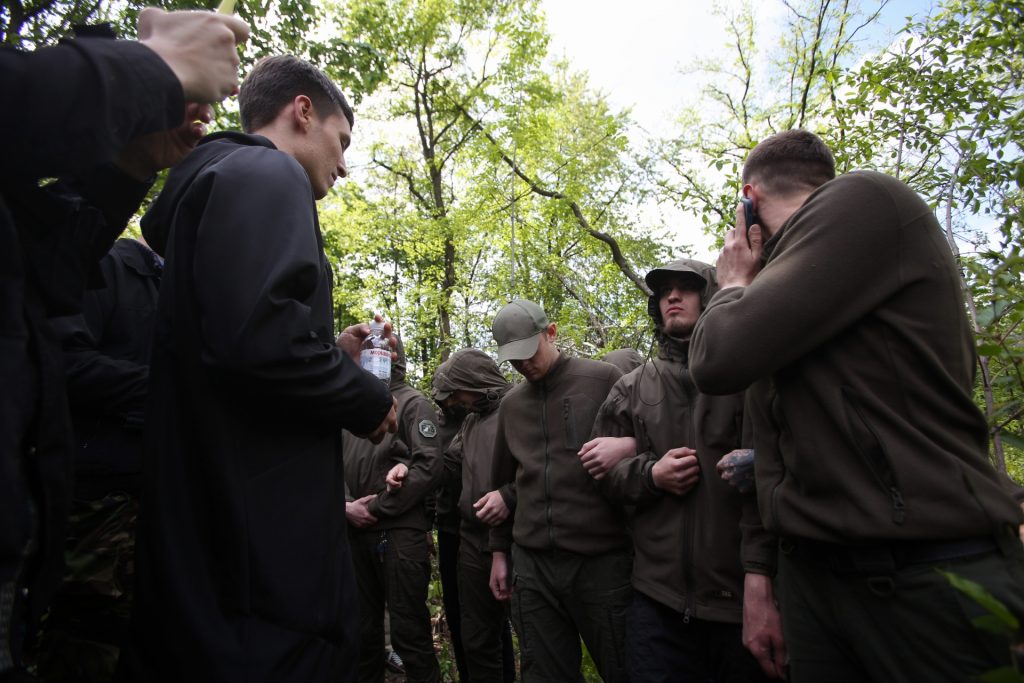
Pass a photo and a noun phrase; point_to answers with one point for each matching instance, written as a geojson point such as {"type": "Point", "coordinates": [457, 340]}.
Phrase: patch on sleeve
{"type": "Point", "coordinates": [428, 429]}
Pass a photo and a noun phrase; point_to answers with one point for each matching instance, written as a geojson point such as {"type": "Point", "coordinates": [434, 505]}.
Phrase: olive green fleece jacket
{"type": "Point", "coordinates": [470, 457]}
{"type": "Point", "coordinates": [687, 548]}
{"type": "Point", "coordinates": [417, 444]}
{"type": "Point", "coordinates": [541, 428]}
{"type": "Point", "coordinates": [856, 336]}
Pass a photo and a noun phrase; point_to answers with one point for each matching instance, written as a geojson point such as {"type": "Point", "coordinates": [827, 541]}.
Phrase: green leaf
{"type": "Point", "coordinates": [1015, 440]}
{"type": "Point", "coordinates": [980, 595]}
{"type": "Point", "coordinates": [990, 623]}
{"type": "Point", "coordinates": [988, 350]}
{"type": "Point", "coordinates": [1004, 675]}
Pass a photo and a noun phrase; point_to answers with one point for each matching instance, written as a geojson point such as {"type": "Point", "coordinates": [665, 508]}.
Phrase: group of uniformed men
{"type": "Point", "coordinates": [829, 350]}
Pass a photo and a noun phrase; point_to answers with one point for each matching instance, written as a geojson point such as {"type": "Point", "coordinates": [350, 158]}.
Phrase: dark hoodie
{"type": "Point", "coordinates": [470, 455]}
{"type": "Point", "coordinates": [625, 360]}
{"type": "Point", "coordinates": [417, 444]}
{"type": "Point", "coordinates": [688, 548]}
{"type": "Point", "coordinates": [242, 554]}
{"type": "Point", "coordinates": [857, 348]}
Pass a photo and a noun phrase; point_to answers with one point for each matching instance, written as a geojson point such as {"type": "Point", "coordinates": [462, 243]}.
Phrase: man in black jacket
{"type": "Point", "coordinates": [94, 114]}
{"type": "Point", "coordinates": [244, 572]}
{"type": "Point", "coordinates": [106, 356]}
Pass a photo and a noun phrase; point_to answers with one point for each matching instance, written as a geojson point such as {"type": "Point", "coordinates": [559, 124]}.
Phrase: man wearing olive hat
{"type": "Point", "coordinates": [569, 546]}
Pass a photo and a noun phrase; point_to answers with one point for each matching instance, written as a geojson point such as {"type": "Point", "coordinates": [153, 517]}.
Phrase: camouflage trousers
{"type": "Point", "coordinates": [82, 632]}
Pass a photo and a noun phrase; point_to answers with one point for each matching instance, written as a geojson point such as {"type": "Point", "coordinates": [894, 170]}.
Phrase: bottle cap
{"type": "Point", "coordinates": [377, 327]}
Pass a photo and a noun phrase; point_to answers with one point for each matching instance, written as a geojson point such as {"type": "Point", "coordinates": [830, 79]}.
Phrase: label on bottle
{"type": "Point", "coordinates": [377, 361]}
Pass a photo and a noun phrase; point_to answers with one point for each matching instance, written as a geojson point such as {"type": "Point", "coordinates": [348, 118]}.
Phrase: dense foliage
{"type": "Point", "coordinates": [495, 171]}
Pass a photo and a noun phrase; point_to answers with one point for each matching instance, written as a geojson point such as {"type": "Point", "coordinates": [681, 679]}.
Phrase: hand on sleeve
{"type": "Point", "coordinates": [491, 508]}
{"type": "Point", "coordinates": [737, 469]}
{"type": "Point", "coordinates": [600, 455]}
{"type": "Point", "coordinates": [677, 471]}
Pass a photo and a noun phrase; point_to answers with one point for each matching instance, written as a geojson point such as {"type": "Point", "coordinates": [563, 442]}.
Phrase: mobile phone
{"type": "Point", "coordinates": [748, 214]}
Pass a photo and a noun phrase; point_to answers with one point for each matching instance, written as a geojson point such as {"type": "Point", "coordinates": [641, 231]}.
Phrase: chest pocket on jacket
{"type": "Point", "coordinates": [578, 415]}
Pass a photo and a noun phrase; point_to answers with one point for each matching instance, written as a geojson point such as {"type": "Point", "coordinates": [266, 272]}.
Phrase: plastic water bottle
{"type": "Point", "coordinates": [375, 355]}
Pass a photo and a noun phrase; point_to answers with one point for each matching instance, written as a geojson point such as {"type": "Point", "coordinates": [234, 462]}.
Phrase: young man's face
{"type": "Point", "coordinates": [679, 304]}
{"type": "Point", "coordinates": [536, 367]}
{"type": "Point", "coordinates": [323, 151]}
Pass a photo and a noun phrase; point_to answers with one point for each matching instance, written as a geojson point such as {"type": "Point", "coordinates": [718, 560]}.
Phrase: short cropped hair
{"type": "Point", "coordinates": [276, 81]}
{"type": "Point", "coordinates": [790, 161]}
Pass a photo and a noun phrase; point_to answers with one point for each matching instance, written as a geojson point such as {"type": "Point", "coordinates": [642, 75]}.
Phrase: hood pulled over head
{"type": "Point", "coordinates": [702, 275]}
{"type": "Point", "coordinates": [469, 370]}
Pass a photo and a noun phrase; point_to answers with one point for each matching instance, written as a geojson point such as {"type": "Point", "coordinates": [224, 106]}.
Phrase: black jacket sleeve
{"type": "Point", "coordinates": [86, 98]}
{"type": "Point", "coordinates": [97, 382]}
{"type": "Point", "coordinates": [258, 266]}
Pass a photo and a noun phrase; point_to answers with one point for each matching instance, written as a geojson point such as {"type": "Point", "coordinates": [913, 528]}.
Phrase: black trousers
{"type": "Point", "coordinates": [894, 624]}
{"type": "Point", "coordinates": [663, 647]}
{"type": "Point", "coordinates": [448, 566]}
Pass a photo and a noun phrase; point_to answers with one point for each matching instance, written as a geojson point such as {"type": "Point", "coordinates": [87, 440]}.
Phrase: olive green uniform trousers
{"type": "Point", "coordinates": [393, 567]}
{"type": "Point", "coordinates": [559, 597]}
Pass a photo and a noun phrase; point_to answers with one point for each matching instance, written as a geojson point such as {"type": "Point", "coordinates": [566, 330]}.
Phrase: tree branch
{"type": "Point", "coordinates": [613, 245]}
{"type": "Point", "coordinates": [409, 179]}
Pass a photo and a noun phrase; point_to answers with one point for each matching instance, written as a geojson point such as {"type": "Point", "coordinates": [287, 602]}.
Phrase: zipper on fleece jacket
{"type": "Point", "coordinates": [868, 445]}
{"type": "Point", "coordinates": [689, 501]}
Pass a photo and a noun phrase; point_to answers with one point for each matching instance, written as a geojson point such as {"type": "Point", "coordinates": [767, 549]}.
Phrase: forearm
{"type": "Point", "coordinates": [841, 245]}
{"type": "Point", "coordinates": [629, 482]}
{"type": "Point", "coordinates": [508, 495]}
{"type": "Point", "coordinates": [110, 190]}
{"type": "Point", "coordinates": [417, 486]}
{"type": "Point", "coordinates": [758, 546]}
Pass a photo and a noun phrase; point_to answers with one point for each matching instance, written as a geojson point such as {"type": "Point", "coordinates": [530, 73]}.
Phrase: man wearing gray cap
{"type": "Point", "coordinates": [570, 550]}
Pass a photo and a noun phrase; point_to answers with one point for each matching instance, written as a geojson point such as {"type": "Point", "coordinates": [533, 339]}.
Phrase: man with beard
{"type": "Point", "coordinates": [697, 597]}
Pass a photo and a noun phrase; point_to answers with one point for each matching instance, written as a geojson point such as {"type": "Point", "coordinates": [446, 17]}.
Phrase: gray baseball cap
{"type": "Point", "coordinates": [517, 328]}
